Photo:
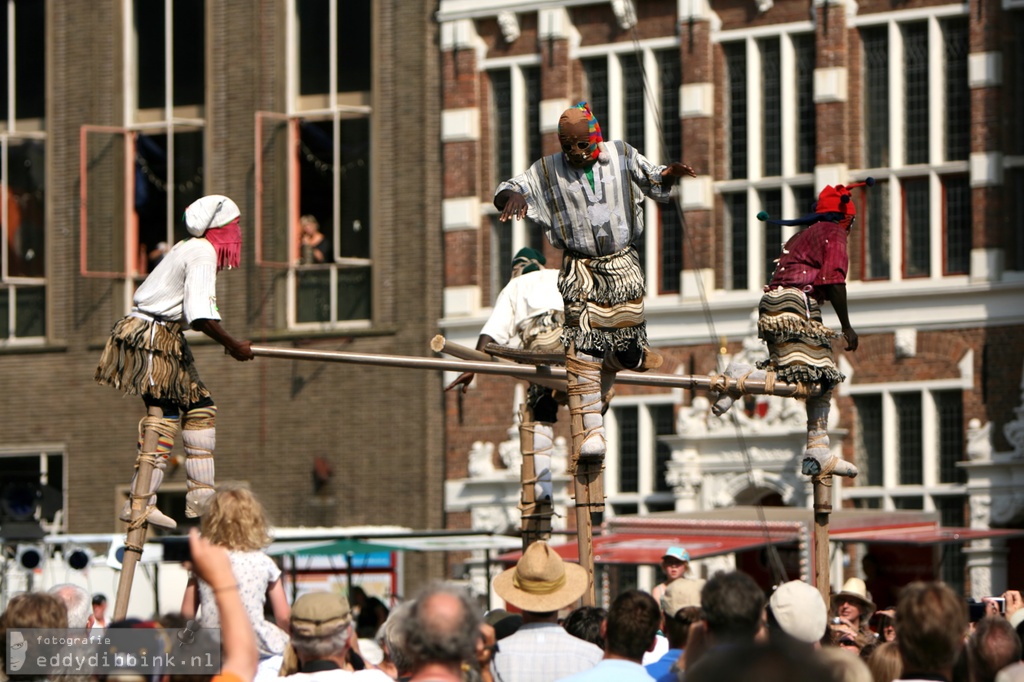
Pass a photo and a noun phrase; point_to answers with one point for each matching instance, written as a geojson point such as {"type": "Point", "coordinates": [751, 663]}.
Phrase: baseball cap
{"type": "Point", "coordinates": [318, 614]}
{"type": "Point", "coordinates": [676, 553]}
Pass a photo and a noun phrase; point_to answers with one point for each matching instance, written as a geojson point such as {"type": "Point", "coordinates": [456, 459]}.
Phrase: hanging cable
{"type": "Point", "coordinates": [775, 560]}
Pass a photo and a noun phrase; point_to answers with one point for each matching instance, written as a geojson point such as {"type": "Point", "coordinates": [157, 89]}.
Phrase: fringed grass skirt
{"type": "Point", "coordinates": [799, 345]}
{"type": "Point", "coordinates": [604, 300]}
{"type": "Point", "coordinates": [144, 357]}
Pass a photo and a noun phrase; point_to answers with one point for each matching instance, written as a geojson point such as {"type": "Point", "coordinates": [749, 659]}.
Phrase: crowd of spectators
{"type": "Point", "coordinates": [724, 629]}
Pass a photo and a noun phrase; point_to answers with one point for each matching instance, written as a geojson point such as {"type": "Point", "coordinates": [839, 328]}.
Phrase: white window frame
{"type": "Point", "coordinates": [14, 129]}
{"type": "Point", "coordinates": [333, 106]}
{"type": "Point", "coordinates": [755, 182]}
{"type": "Point", "coordinates": [937, 166]}
{"type": "Point", "coordinates": [931, 487]}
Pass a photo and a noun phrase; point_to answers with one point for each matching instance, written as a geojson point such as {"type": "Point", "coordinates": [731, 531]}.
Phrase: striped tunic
{"type": "Point", "coordinates": [594, 221]}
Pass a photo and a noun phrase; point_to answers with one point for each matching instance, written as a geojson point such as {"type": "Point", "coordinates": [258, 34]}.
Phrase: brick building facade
{"type": "Point", "coordinates": [769, 102]}
{"type": "Point", "coordinates": [117, 114]}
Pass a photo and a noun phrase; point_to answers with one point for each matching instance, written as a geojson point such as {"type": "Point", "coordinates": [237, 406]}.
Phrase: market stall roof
{"type": "Point", "coordinates": [921, 535]}
{"type": "Point", "coordinates": [631, 548]}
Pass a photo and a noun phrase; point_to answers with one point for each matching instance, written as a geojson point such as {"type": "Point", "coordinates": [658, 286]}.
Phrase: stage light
{"type": "Point", "coordinates": [30, 557]}
{"type": "Point", "coordinates": [78, 558]}
{"type": "Point", "coordinates": [115, 555]}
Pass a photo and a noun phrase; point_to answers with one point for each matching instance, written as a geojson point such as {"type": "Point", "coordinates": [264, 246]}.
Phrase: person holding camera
{"type": "Point", "coordinates": [852, 607]}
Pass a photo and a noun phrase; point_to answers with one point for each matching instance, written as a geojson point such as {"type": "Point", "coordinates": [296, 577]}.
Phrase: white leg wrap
{"type": "Point", "coordinates": [199, 445]}
{"type": "Point", "coordinates": [586, 377]}
{"type": "Point", "coordinates": [818, 457]}
{"type": "Point", "coordinates": [543, 437]}
{"type": "Point", "coordinates": [739, 371]}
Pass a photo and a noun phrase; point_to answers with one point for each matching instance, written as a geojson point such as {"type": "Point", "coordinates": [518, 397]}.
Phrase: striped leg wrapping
{"type": "Point", "coordinates": [166, 429]}
{"type": "Point", "coordinates": [199, 436]}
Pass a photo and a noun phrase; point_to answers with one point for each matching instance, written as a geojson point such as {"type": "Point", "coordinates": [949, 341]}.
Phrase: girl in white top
{"type": "Point", "coordinates": [236, 520]}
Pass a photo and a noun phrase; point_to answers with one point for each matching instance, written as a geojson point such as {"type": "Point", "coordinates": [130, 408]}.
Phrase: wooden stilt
{"type": "Point", "coordinates": [536, 522]}
{"type": "Point", "coordinates": [822, 492]}
{"type": "Point", "coordinates": [588, 491]}
{"type": "Point", "coordinates": [136, 536]}
{"type": "Point", "coordinates": [588, 486]}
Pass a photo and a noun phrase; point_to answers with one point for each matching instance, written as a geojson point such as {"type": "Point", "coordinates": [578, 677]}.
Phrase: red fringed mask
{"type": "Point", "coordinates": [227, 240]}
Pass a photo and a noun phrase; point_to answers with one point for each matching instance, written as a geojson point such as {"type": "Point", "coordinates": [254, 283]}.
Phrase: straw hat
{"type": "Point", "coordinates": [541, 582]}
{"type": "Point", "coordinates": [679, 594]}
{"type": "Point", "coordinates": [855, 590]}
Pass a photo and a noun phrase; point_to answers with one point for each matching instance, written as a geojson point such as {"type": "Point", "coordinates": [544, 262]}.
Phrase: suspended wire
{"type": "Point", "coordinates": [778, 568]}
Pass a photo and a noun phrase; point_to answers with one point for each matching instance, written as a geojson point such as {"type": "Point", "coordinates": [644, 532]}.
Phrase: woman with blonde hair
{"type": "Point", "coordinates": [885, 662]}
{"type": "Point", "coordinates": [235, 520]}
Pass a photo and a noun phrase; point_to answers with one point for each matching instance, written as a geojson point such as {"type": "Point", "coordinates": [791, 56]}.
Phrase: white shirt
{"type": "Point", "coordinates": [183, 287]}
{"type": "Point", "coordinates": [523, 298]}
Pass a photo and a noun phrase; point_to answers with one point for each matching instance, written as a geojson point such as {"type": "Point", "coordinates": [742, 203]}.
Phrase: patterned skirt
{"type": "Point", "coordinates": [151, 358]}
{"type": "Point", "coordinates": [604, 300]}
{"type": "Point", "coordinates": [799, 345]}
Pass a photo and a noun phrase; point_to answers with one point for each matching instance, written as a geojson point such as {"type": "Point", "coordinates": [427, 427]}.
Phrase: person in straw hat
{"type": "Point", "coordinates": [541, 584]}
{"type": "Point", "coordinates": [853, 605]}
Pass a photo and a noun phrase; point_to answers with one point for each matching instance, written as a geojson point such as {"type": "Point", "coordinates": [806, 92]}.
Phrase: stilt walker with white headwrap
{"type": "Point", "coordinates": [589, 199]}
{"type": "Point", "coordinates": [529, 311]}
{"type": "Point", "coordinates": [147, 355]}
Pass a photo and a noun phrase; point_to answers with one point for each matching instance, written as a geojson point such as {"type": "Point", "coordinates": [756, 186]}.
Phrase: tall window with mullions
{"type": "Point", "coordinates": [501, 121]}
{"type": "Point", "coordinates": [771, 101]}
{"type": "Point", "coordinates": [736, 108]}
{"type": "Point", "coordinates": [958, 96]}
{"type": "Point", "coordinates": [596, 71]}
{"type": "Point", "coordinates": [671, 251]}
{"type": "Point", "coordinates": [771, 203]}
{"type": "Point", "coordinates": [875, 42]}
{"type": "Point", "coordinates": [531, 80]}
{"type": "Point", "coordinates": [957, 228]}
{"type": "Point", "coordinates": [915, 92]}
{"type": "Point", "coordinates": [736, 240]}
{"type": "Point", "coordinates": [806, 141]}
{"type": "Point", "coordinates": [633, 111]}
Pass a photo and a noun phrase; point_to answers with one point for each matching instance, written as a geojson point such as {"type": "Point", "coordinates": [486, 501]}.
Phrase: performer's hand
{"type": "Point", "coordinates": [678, 170]}
{"type": "Point", "coordinates": [241, 352]}
{"type": "Point", "coordinates": [851, 337]}
{"type": "Point", "coordinates": [515, 207]}
{"type": "Point", "coordinates": [464, 380]}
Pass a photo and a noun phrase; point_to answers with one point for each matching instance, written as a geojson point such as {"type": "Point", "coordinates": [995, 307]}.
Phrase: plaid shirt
{"type": "Point", "coordinates": [543, 652]}
{"type": "Point", "coordinates": [813, 258]}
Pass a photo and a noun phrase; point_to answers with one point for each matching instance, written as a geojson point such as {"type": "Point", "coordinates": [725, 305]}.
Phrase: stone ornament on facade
{"type": "Point", "coordinates": [508, 22]}
{"type": "Point", "coordinates": [979, 440]}
{"type": "Point", "coordinates": [1014, 430]}
{"type": "Point", "coordinates": [481, 459]}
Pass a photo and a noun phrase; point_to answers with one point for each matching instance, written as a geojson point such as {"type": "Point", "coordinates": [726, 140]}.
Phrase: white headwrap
{"type": "Point", "coordinates": [211, 211]}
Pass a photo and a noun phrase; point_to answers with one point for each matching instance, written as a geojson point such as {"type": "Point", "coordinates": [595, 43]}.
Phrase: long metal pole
{"type": "Point", "coordinates": [535, 374]}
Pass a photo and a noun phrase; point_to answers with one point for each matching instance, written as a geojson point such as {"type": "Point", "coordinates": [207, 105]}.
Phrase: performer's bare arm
{"type": "Point", "coordinates": [677, 170]}
{"type": "Point", "coordinates": [466, 378]}
{"type": "Point", "coordinates": [836, 294]}
{"type": "Point", "coordinates": [511, 204]}
{"type": "Point", "coordinates": [239, 350]}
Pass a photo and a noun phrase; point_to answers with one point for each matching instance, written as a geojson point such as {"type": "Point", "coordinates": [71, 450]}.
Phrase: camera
{"type": "Point", "coordinates": [1000, 601]}
{"type": "Point", "coordinates": [837, 621]}
{"type": "Point", "coordinates": [176, 548]}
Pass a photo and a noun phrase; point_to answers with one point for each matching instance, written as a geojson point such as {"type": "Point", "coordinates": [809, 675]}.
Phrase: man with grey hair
{"type": "Point", "coordinates": [78, 602]}
{"type": "Point", "coordinates": [392, 642]}
{"type": "Point", "coordinates": [993, 645]}
{"type": "Point", "coordinates": [440, 634]}
{"type": "Point", "coordinates": [321, 629]}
